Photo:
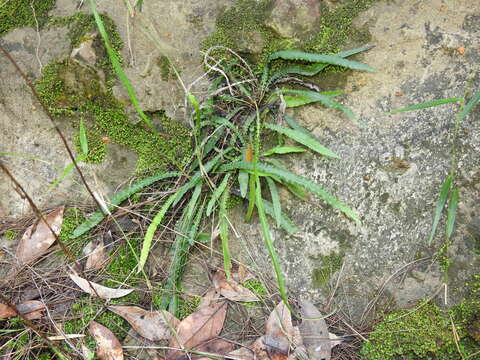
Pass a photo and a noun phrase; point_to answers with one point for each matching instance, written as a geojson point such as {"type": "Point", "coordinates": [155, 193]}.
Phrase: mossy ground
{"type": "Point", "coordinates": [427, 332]}
{"type": "Point", "coordinates": [20, 13]}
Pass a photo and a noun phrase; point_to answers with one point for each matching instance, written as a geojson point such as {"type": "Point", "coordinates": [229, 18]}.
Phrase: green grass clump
{"type": "Point", "coordinates": [19, 13]}
{"type": "Point", "coordinates": [10, 234]}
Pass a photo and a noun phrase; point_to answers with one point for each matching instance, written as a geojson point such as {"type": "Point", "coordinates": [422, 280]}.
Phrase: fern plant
{"type": "Point", "coordinates": [228, 128]}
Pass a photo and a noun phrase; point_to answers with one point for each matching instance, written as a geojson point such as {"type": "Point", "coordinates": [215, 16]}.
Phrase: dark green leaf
{"type": "Point", "coordinates": [442, 199]}
{"type": "Point", "coordinates": [427, 104]}
{"type": "Point", "coordinates": [452, 212]}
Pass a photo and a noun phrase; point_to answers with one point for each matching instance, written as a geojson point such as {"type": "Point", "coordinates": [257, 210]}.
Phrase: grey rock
{"type": "Point", "coordinates": [294, 18]}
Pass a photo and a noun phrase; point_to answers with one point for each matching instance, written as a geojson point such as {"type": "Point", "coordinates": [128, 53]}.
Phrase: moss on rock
{"type": "Point", "coordinates": [20, 13]}
{"type": "Point", "coordinates": [426, 332]}
{"type": "Point", "coordinates": [72, 90]}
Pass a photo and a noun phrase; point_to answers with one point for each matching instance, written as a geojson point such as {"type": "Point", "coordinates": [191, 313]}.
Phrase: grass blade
{"type": "Point", "coordinates": [285, 222]}
{"type": "Point", "coordinates": [427, 104]}
{"type": "Point", "coordinates": [224, 230]}
{"type": "Point", "coordinates": [243, 182]}
{"type": "Point", "coordinates": [269, 243]}
{"type": "Point", "coordinates": [67, 170]}
{"type": "Point", "coordinates": [318, 58]}
{"type": "Point", "coordinates": [303, 139]}
{"type": "Point", "coordinates": [83, 138]}
{"type": "Point", "coordinates": [296, 180]}
{"type": "Point", "coordinates": [283, 150]}
{"type": "Point", "coordinates": [470, 105]}
{"type": "Point", "coordinates": [98, 216]}
{"type": "Point", "coordinates": [442, 199]}
{"type": "Point", "coordinates": [217, 193]}
{"type": "Point", "coordinates": [452, 212]}
{"type": "Point", "coordinates": [117, 66]}
{"type": "Point", "coordinates": [277, 208]}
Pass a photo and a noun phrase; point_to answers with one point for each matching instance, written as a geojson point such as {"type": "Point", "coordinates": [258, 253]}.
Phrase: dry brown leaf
{"type": "Point", "coordinates": [210, 297]}
{"type": "Point", "coordinates": [300, 351]}
{"type": "Point", "coordinates": [31, 309]}
{"type": "Point", "coordinates": [152, 325]}
{"type": "Point", "coordinates": [100, 290]}
{"type": "Point", "coordinates": [108, 346]}
{"type": "Point", "coordinates": [214, 346]}
{"type": "Point", "coordinates": [6, 312]}
{"type": "Point", "coordinates": [97, 256]}
{"type": "Point", "coordinates": [230, 289]}
{"type": "Point", "coordinates": [38, 238]}
{"type": "Point", "coordinates": [315, 335]}
{"type": "Point", "coordinates": [242, 274]}
{"type": "Point", "coordinates": [278, 332]}
{"type": "Point", "coordinates": [197, 328]}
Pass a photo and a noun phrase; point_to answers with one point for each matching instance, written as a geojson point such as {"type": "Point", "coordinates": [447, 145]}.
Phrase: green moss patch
{"type": "Point", "coordinates": [330, 264]}
{"type": "Point", "coordinates": [20, 13]}
{"type": "Point", "coordinates": [426, 332]}
{"type": "Point", "coordinates": [72, 91]}
{"type": "Point", "coordinates": [243, 29]}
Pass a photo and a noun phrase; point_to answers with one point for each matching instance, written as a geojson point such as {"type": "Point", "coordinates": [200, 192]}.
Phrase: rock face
{"type": "Point", "coordinates": [390, 172]}
{"type": "Point", "coordinates": [392, 169]}
{"type": "Point", "coordinates": [28, 132]}
{"type": "Point", "coordinates": [294, 18]}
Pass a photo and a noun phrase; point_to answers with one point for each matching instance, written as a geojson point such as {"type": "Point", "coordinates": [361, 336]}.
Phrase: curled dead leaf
{"type": "Point", "coordinates": [38, 238]}
{"type": "Point", "coordinates": [279, 333]}
{"type": "Point", "coordinates": [314, 331]}
{"type": "Point", "coordinates": [30, 310]}
{"type": "Point", "coordinates": [6, 312]}
{"type": "Point", "coordinates": [95, 289]}
{"type": "Point", "coordinates": [204, 324]}
{"type": "Point", "coordinates": [97, 255]}
{"type": "Point", "coordinates": [152, 325]}
{"type": "Point", "coordinates": [108, 346]}
{"type": "Point", "coordinates": [232, 290]}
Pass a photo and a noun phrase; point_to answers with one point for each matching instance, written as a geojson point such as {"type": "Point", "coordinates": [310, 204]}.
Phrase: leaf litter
{"type": "Point", "coordinates": [108, 346]}
{"type": "Point", "coordinates": [231, 289]}
{"type": "Point", "coordinates": [95, 289]}
{"type": "Point", "coordinates": [38, 238]}
{"type": "Point", "coordinates": [152, 325]}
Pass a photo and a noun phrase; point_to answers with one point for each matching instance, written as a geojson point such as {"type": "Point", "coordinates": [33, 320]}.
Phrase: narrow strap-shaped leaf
{"type": "Point", "coordinates": [295, 125]}
{"type": "Point", "coordinates": [306, 97]}
{"type": "Point", "coordinates": [147, 241]}
{"type": "Point", "coordinates": [426, 104]}
{"type": "Point", "coordinates": [117, 66]}
{"type": "Point", "coordinates": [251, 195]}
{"type": "Point", "coordinates": [243, 182]}
{"type": "Point", "coordinates": [313, 69]}
{"type": "Point", "coordinates": [319, 58]}
{"type": "Point", "coordinates": [222, 121]}
{"type": "Point", "coordinates": [98, 216]}
{"type": "Point", "coordinates": [67, 170]}
{"type": "Point", "coordinates": [303, 139]}
{"type": "Point", "coordinates": [283, 150]}
{"type": "Point", "coordinates": [442, 199]}
{"type": "Point", "coordinates": [293, 188]}
{"type": "Point", "coordinates": [83, 138]}
{"type": "Point", "coordinates": [277, 207]}
{"type": "Point", "coordinates": [217, 193]}
{"type": "Point", "coordinates": [470, 105]}
{"type": "Point", "coordinates": [269, 242]}
{"type": "Point", "coordinates": [224, 230]}
{"type": "Point", "coordinates": [196, 178]}
{"type": "Point", "coordinates": [452, 212]}
{"type": "Point", "coordinates": [285, 222]}
{"type": "Point", "coordinates": [297, 180]}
